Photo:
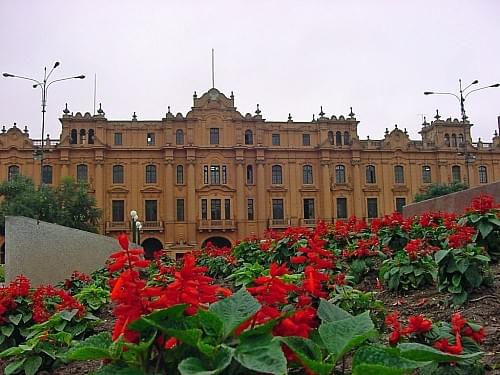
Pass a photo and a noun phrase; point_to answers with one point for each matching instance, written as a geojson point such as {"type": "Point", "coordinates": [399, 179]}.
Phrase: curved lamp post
{"type": "Point", "coordinates": [463, 94]}
{"type": "Point", "coordinates": [135, 227]}
{"type": "Point", "coordinates": [44, 85]}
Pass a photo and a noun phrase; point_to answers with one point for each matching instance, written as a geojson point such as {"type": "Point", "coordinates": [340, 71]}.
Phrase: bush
{"type": "Point", "coordinates": [438, 190]}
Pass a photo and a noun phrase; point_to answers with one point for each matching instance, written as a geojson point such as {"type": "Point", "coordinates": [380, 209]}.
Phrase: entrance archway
{"type": "Point", "coordinates": [150, 246]}
{"type": "Point", "coordinates": [217, 242]}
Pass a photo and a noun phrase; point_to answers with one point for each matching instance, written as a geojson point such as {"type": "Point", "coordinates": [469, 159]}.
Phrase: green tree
{"type": "Point", "coordinates": [437, 190]}
{"type": "Point", "coordinates": [68, 204]}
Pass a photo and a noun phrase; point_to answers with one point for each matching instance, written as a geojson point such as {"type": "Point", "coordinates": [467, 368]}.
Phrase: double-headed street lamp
{"type": "Point", "coordinates": [44, 86]}
{"type": "Point", "coordinates": [468, 157]}
{"type": "Point", "coordinates": [135, 226]}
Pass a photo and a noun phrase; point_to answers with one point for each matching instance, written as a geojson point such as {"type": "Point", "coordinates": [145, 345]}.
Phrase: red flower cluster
{"type": "Point", "coordinates": [271, 290]}
{"type": "Point", "coordinates": [461, 237]}
{"type": "Point", "coordinates": [213, 252]}
{"type": "Point", "coordinates": [418, 247]}
{"type": "Point", "coordinates": [20, 287]}
{"type": "Point", "coordinates": [391, 221]}
{"type": "Point", "coordinates": [48, 300]}
{"type": "Point", "coordinates": [417, 324]}
{"type": "Point", "coordinates": [76, 276]}
{"type": "Point", "coordinates": [364, 248]}
{"type": "Point", "coordinates": [482, 204]}
{"type": "Point", "coordinates": [435, 219]}
{"type": "Point", "coordinates": [352, 225]}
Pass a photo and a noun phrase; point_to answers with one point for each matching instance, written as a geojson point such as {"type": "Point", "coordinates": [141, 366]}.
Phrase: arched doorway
{"type": "Point", "coordinates": [217, 242]}
{"type": "Point", "coordinates": [150, 246]}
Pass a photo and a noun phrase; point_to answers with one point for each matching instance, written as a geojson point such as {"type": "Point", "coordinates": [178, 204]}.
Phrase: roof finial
{"type": "Point", "coordinates": [314, 119]}
{"type": "Point", "coordinates": [496, 133]}
{"type": "Point", "coordinates": [258, 111]}
{"type": "Point", "coordinates": [15, 125]}
{"type": "Point", "coordinates": [290, 117]}
{"type": "Point", "coordinates": [321, 113]}
{"type": "Point", "coordinates": [25, 129]}
{"type": "Point", "coordinates": [134, 117]}
{"type": "Point", "coordinates": [232, 95]}
{"type": "Point", "coordinates": [425, 121]}
{"type": "Point", "coordinates": [386, 131]}
{"type": "Point", "coordinates": [195, 95]}
{"type": "Point", "coordinates": [395, 126]}
{"type": "Point", "coordinates": [406, 132]}
{"type": "Point", "coordinates": [100, 111]}
{"type": "Point", "coordinates": [3, 129]}
{"type": "Point", "coordinates": [351, 114]}
{"type": "Point", "coordinates": [437, 117]}
{"type": "Point", "coordinates": [168, 108]}
{"type": "Point", "coordinates": [66, 110]}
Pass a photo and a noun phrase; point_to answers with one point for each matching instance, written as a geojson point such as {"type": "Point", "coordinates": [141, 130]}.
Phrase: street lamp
{"type": "Point", "coordinates": [44, 86]}
{"type": "Point", "coordinates": [135, 227]}
{"type": "Point", "coordinates": [468, 157]}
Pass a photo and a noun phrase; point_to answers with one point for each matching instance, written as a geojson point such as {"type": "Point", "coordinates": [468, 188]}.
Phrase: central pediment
{"type": "Point", "coordinates": [214, 99]}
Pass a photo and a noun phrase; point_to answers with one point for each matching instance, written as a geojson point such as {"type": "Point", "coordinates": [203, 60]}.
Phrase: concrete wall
{"type": "Point", "coordinates": [48, 253]}
{"type": "Point", "coordinates": [455, 202]}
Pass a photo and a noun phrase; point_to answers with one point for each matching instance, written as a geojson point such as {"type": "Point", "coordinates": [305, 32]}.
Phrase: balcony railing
{"type": "Point", "coordinates": [117, 226]}
{"type": "Point", "coordinates": [152, 226]}
{"type": "Point", "coordinates": [210, 225]}
{"type": "Point", "coordinates": [279, 223]}
{"type": "Point", "coordinates": [308, 222]}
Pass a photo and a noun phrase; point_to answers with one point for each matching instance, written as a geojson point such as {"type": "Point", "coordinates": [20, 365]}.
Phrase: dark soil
{"type": "Point", "coordinates": [483, 308]}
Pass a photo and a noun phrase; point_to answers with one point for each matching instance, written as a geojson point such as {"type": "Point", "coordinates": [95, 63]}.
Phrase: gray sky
{"type": "Point", "coordinates": [288, 56]}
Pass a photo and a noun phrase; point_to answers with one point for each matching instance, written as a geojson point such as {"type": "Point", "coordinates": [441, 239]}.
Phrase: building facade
{"type": "Point", "coordinates": [217, 175]}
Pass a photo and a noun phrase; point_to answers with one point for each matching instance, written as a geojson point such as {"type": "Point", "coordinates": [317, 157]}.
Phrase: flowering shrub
{"type": "Point", "coordinates": [75, 283]}
{"type": "Point", "coordinates": [220, 262]}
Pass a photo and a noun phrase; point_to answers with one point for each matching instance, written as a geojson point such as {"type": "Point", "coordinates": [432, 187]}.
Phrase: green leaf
{"type": "Point", "coordinates": [32, 365]}
{"type": "Point", "coordinates": [495, 221]}
{"type": "Point", "coordinates": [482, 258]}
{"type": "Point", "coordinates": [485, 228]}
{"type": "Point", "coordinates": [15, 318]}
{"type": "Point", "coordinates": [459, 298]}
{"type": "Point", "coordinates": [440, 255]}
{"type": "Point", "coordinates": [118, 369]}
{"type": "Point", "coordinates": [423, 353]}
{"type": "Point", "coordinates": [68, 315]}
{"type": "Point", "coordinates": [474, 277]}
{"type": "Point", "coordinates": [374, 360]}
{"type": "Point", "coordinates": [172, 314]}
{"type": "Point", "coordinates": [328, 312]}
{"type": "Point", "coordinates": [94, 347]}
{"type": "Point", "coordinates": [234, 310]}
{"type": "Point", "coordinates": [13, 351]}
{"type": "Point", "coordinates": [455, 280]}
{"type": "Point", "coordinates": [7, 330]}
{"type": "Point", "coordinates": [261, 353]}
{"type": "Point", "coordinates": [343, 335]}
{"type": "Point", "coordinates": [463, 264]}
{"type": "Point", "coordinates": [210, 323]}
{"type": "Point", "coordinates": [195, 366]}
{"type": "Point", "coordinates": [187, 336]}
{"type": "Point", "coordinates": [309, 354]}
{"type": "Point", "coordinates": [13, 367]}
{"type": "Point", "coordinates": [27, 316]}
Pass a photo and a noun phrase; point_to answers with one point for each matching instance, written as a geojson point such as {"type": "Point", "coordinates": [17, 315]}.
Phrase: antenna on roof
{"type": "Point", "coordinates": [95, 89]}
{"type": "Point", "coordinates": [213, 71]}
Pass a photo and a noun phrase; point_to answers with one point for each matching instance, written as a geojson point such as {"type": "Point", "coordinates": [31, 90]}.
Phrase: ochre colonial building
{"type": "Point", "coordinates": [215, 174]}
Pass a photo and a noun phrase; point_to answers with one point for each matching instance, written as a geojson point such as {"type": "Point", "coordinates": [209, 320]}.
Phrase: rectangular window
{"type": "Point", "coordinates": [214, 136]}
{"type": "Point", "coordinates": [180, 175]}
{"type": "Point", "coordinates": [306, 139]}
{"type": "Point", "coordinates": [204, 209]}
{"type": "Point", "coordinates": [309, 208]}
{"type": "Point", "coordinates": [180, 209]}
{"type": "Point", "coordinates": [278, 213]}
{"type": "Point", "coordinates": [455, 173]}
{"type": "Point", "coordinates": [205, 174]}
{"type": "Point", "coordinates": [47, 174]}
{"type": "Point", "coordinates": [150, 139]}
{"type": "Point", "coordinates": [118, 210]}
{"type": "Point", "coordinates": [224, 174]}
{"type": "Point", "coordinates": [151, 210]}
{"type": "Point", "coordinates": [81, 174]}
{"type": "Point", "coordinates": [341, 208]}
{"type": "Point", "coordinates": [372, 207]}
{"type": "Point", "coordinates": [227, 209]}
{"type": "Point", "coordinates": [275, 138]}
{"type": "Point", "coordinates": [400, 202]}
{"type": "Point", "coordinates": [426, 174]}
{"type": "Point", "coordinates": [118, 139]}
{"type": "Point", "coordinates": [250, 210]}
{"type": "Point", "coordinates": [215, 209]}
{"type": "Point", "coordinates": [215, 174]}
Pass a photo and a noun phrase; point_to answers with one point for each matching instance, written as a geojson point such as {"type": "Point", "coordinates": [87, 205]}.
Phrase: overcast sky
{"type": "Point", "coordinates": [288, 56]}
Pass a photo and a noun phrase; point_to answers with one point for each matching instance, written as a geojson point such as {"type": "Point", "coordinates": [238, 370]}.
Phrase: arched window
{"type": "Point", "coordinates": [73, 139]}
{"type": "Point", "coordinates": [91, 136]}
{"type": "Point", "coordinates": [180, 175]}
{"type": "Point", "coordinates": [338, 138]}
{"type": "Point", "coordinates": [483, 175]}
{"type": "Point", "coordinates": [82, 174]}
{"type": "Point", "coordinates": [307, 174]}
{"type": "Point", "coordinates": [340, 174]}
{"type": "Point", "coordinates": [277, 175]}
{"type": "Point", "coordinates": [399, 175]}
{"type": "Point", "coordinates": [426, 174]}
{"type": "Point", "coordinates": [347, 140]}
{"type": "Point", "coordinates": [117, 174]}
{"type": "Point", "coordinates": [456, 174]}
{"type": "Point", "coordinates": [447, 139]}
{"type": "Point", "coordinates": [179, 137]}
{"type": "Point", "coordinates": [47, 174]}
{"type": "Point", "coordinates": [249, 175]}
{"type": "Point", "coordinates": [13, 171]}
{"type": "Point", "coordinates": [82, 136]}
{"type": "Point", "coordinates": [330, 137]}
{"type": "Point", "coordinates": [454, 140]}
{"type": "Point", "coordinates": [150, 174]}
{"type": "Point", "coordinates": [370, 174]}
{"type": "Point", "coordinates": [248, 137]}
{"type": "Point", "coordinates": [460, 139]}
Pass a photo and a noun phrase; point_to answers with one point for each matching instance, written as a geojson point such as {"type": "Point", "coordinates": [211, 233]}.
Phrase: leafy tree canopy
{"type": "Point", "coordinates": [68, 204]}
{"type": "Point", "coordinates": [437, 190]}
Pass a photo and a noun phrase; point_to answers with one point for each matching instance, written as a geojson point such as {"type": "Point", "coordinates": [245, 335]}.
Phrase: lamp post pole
{"type": "Point", "coordinates": [135, 227]}
{"type": "Point", "coordinates": [468, 157]}
{"type": "Point", "coordinates": [44, 85]}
